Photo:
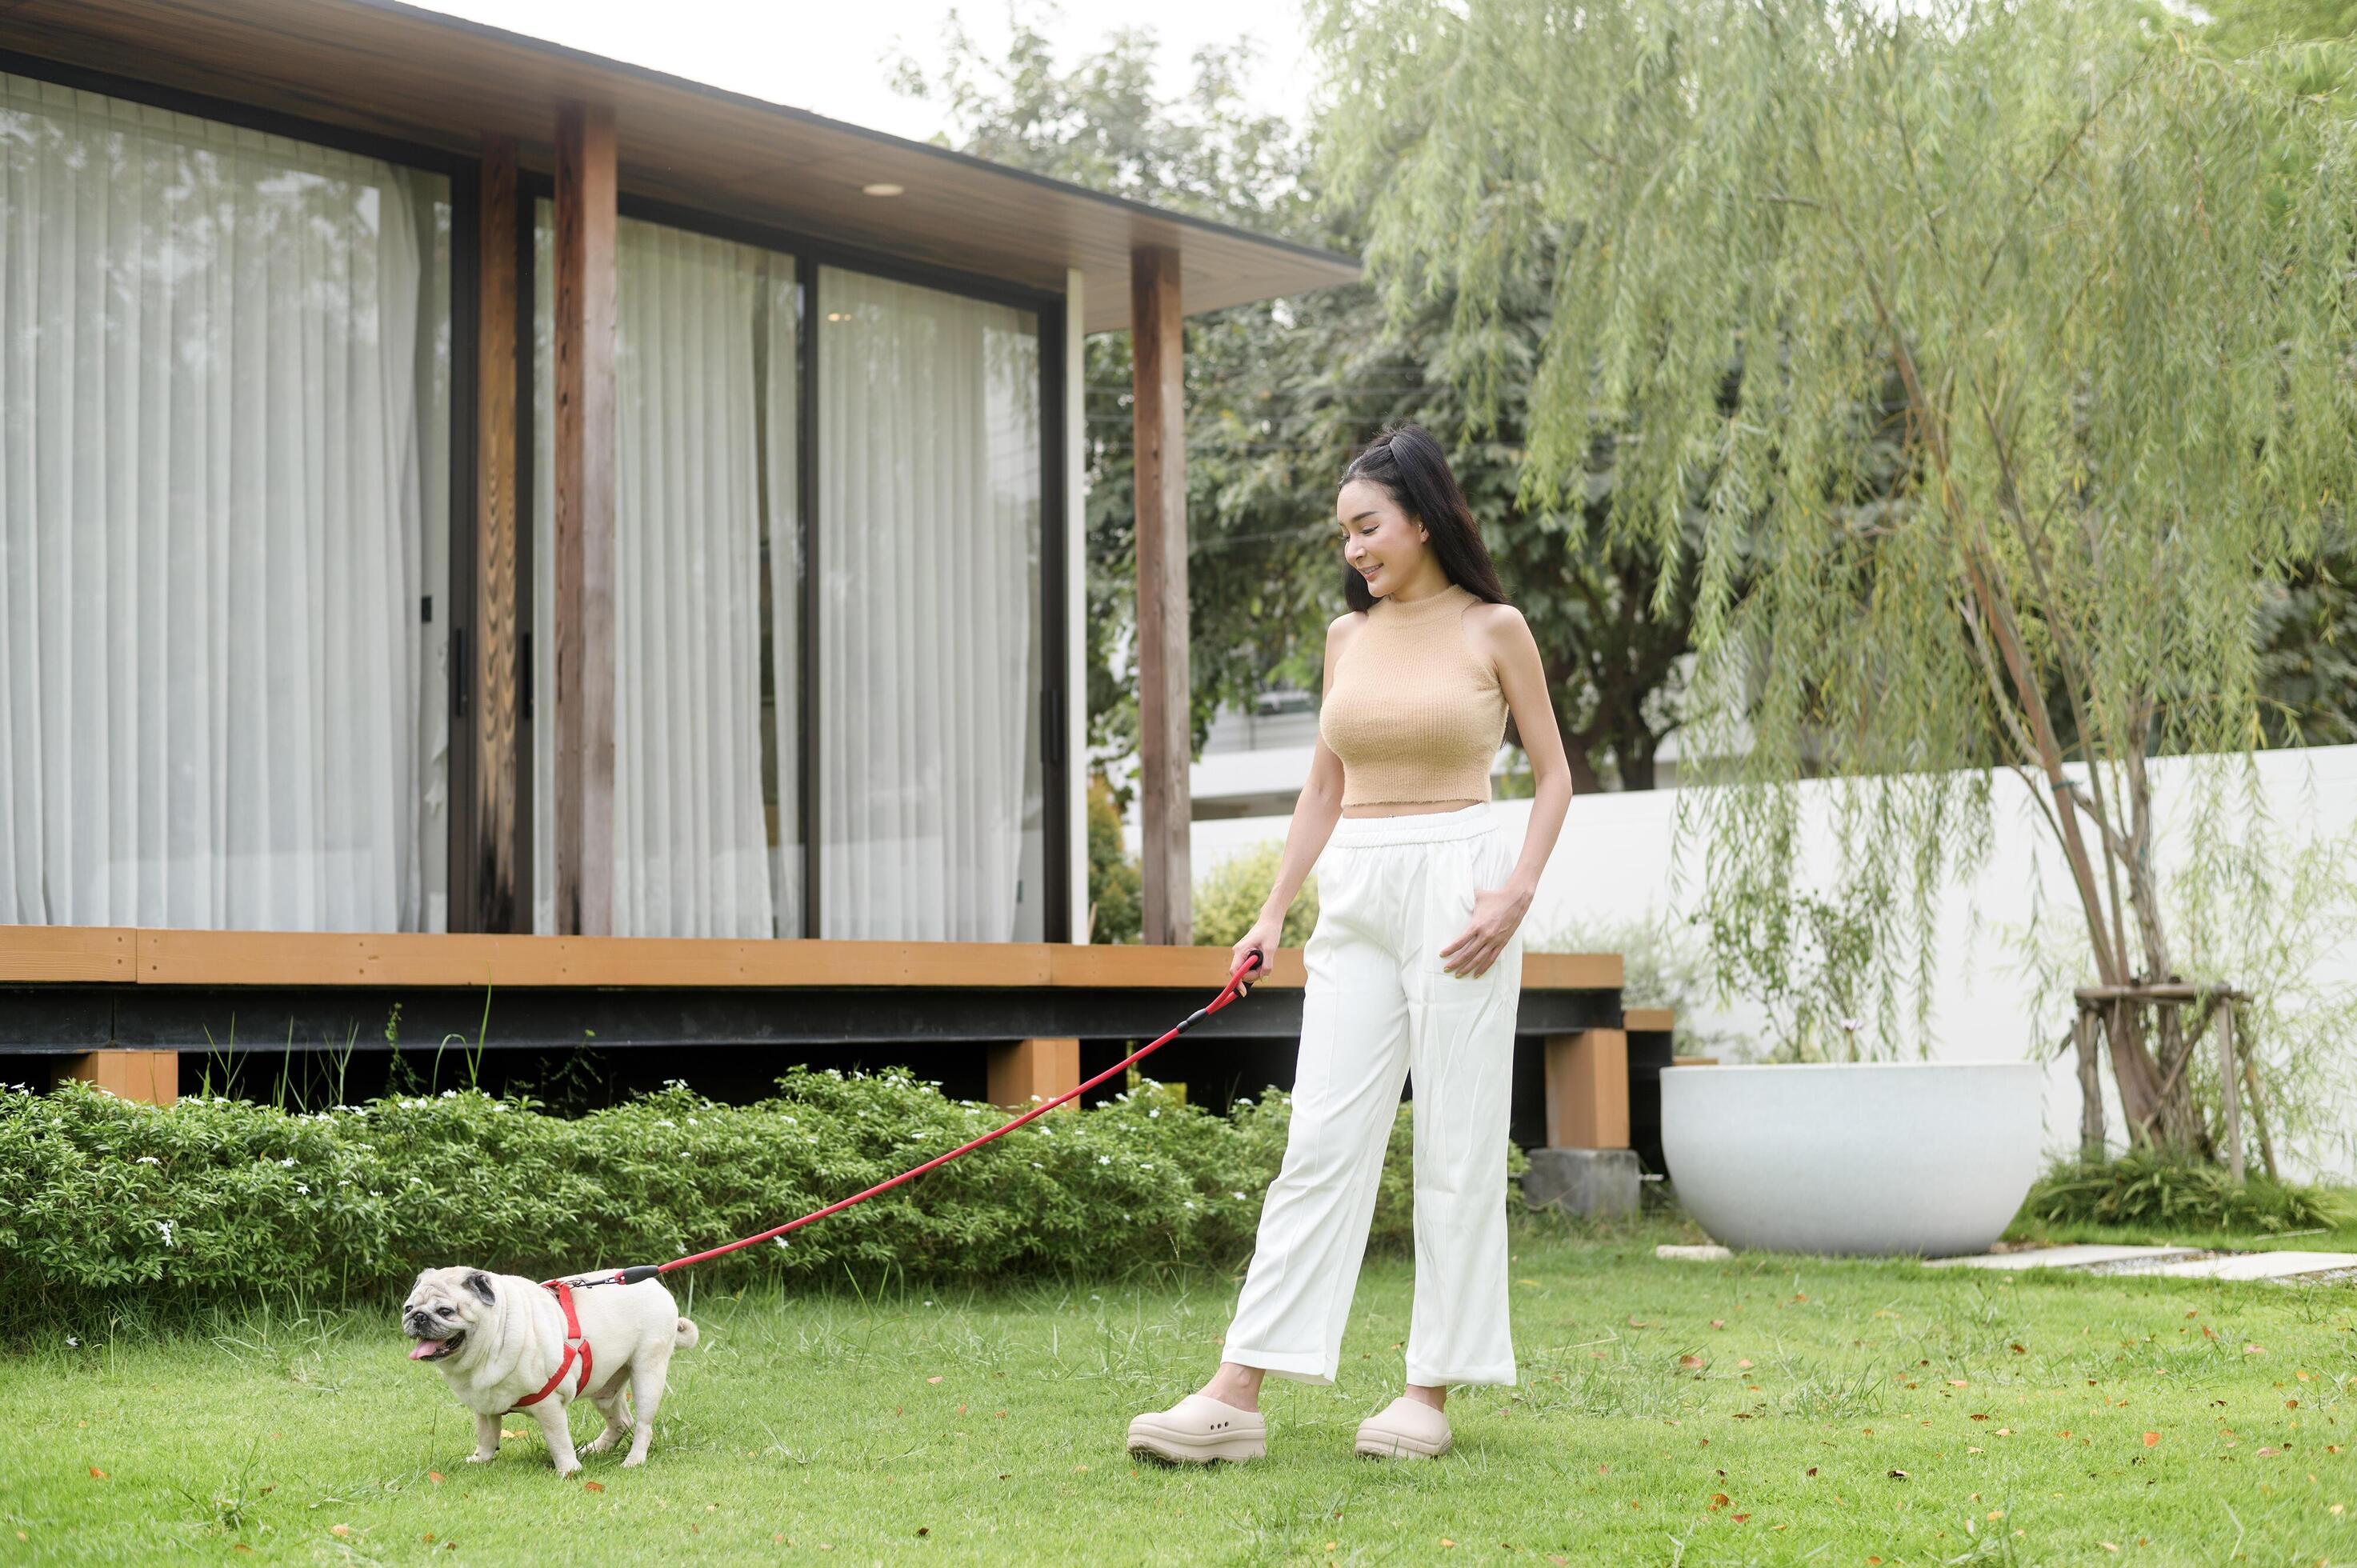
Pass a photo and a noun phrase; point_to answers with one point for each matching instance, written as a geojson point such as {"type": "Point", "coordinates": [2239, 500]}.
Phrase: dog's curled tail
{"type": "Point", "coordinates": [687, 1336]}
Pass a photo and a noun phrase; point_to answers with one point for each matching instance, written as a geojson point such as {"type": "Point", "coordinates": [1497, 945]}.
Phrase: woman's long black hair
{"type": "Point", "coordinates": [1407, 462]}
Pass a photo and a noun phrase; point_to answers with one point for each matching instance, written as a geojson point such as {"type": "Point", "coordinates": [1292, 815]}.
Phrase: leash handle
{"type": "Point", "coordinates": [1236, 986]}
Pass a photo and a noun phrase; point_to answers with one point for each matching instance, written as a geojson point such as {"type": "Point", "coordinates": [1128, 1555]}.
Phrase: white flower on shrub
{"type": "Point", "coordinates": [288, 1164]}
{"type": "Point", "coordinates": [166, 1227]}
{"type": "Point", "coordinates": [1155, 1112]}
{"type": "Point", "coordinates": [663, 1122]}
{"type": "Point", "coordinates": [149, 1160]}
{"type": "Point", "coordinates": [1038, 1166]}
{"type": "Point", "coordinates": [1105, 1159]}
{"type": "Point", "coordinates": [302, 1190]}
{"type": "Point", "coordinates": [1237, 1195]}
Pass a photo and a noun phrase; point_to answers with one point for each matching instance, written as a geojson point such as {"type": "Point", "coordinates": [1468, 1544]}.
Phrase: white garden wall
{"type": "Point", "coordinates": [1613, 860]}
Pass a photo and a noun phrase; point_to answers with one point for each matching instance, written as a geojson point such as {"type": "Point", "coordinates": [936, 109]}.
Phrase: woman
{"type": "Point", "coordinates": [1414, 967]}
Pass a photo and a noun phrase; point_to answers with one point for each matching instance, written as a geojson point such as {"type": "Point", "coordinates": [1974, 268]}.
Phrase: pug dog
{"type": "Point", "coordinates": [498, 1338]}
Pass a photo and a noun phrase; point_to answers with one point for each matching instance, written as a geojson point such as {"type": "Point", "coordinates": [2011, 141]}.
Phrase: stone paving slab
{"type": "Point", "coordinates": [2259, 1265]}
{"type": "Point", "coordinates": [2078, 1255]}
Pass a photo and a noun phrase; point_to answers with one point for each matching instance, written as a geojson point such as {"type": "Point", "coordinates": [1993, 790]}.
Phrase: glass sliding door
{"type": "Point", "coordinates": [224, 381]}
{"type": "Point", "coordinates": [707, 823]}
{"type": "Point", "coordinates": [927, 545]}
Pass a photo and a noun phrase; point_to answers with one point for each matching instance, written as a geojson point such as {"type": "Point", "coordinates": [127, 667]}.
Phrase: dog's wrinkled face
{"type": "Point", "coordinates": [442, 1306]}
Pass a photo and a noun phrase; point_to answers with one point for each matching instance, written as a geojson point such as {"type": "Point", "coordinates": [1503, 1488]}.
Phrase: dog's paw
{"type": "Point", "coordinates": [564, 1472]}
{"type": "Point", "coordinates": [480, 1458]}
{"type": "Point", "coordinates": [632, 1461]}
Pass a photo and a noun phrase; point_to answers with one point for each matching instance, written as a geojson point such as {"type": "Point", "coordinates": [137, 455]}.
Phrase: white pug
{"type": "Point", "coordinates": [498, 1338]}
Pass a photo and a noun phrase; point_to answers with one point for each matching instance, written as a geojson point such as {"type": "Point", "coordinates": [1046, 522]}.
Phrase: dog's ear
{"type": "Point", "coordinates": [480, 1284]}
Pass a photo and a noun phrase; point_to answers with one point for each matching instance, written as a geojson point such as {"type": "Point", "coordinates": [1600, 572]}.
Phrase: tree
{"type": "Point", "coordinates": [1280, 393]}
{"type": "Point", "coordinates": [2109, 273]}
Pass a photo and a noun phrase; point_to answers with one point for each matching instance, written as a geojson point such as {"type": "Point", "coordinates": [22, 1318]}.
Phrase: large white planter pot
{"type": "Point", "coordinates": [1931, 1158]}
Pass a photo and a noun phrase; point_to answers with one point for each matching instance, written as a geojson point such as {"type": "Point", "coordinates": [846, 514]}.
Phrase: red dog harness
{"type": "Point", "coordinates": [574, 1345]}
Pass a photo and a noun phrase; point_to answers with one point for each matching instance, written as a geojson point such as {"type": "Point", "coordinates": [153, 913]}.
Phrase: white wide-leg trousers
{"type": "Point", "coordinates": [1380, 1006]}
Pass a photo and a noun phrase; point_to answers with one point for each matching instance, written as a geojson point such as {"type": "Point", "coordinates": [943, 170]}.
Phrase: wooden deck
{"type": "Point", "coordinates": [122, 1001]}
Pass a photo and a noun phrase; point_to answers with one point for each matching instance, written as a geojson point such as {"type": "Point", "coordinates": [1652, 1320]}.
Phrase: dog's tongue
{"type": "Point", "coordinates": [425, 1349]}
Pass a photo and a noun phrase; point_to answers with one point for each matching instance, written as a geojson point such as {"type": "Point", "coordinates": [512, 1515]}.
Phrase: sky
{"type": "Point", "coordinates": [834, 60]}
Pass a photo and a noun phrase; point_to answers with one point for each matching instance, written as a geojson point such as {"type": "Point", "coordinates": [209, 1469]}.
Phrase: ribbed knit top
{"type": "Point", "coordinates": [1414, 714]}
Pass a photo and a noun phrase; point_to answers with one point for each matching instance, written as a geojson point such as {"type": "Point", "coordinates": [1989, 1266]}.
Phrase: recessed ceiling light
{"type": "Point", "coordinates": [882, 187]}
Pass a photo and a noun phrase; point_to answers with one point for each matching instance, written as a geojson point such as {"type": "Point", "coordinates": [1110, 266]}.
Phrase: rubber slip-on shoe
{"type": "Point", "coordinates": [1405, 1429]}
{"type": "Point", "coordinates": [1198, 1430]}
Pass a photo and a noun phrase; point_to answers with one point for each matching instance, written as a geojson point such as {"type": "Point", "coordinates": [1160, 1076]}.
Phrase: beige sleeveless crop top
{"type": "Point", "coordinates": [1414, 713]}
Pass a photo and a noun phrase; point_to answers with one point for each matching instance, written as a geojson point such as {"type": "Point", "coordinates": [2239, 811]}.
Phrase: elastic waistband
{"type": "Point", "coordinates": [1418, 827]}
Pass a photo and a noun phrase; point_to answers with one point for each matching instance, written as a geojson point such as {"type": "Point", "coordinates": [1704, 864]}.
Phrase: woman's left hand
{"type": "Point", "coordinates": [1497, 912]}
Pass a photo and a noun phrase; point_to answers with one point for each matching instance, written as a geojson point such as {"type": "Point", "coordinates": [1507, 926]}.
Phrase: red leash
{"type": "Point", "coordinates": [1234, 988]}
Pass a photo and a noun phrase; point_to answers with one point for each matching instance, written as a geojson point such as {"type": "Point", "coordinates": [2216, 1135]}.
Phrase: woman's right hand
{"type": "Point", "coordinates": [1261, 940]}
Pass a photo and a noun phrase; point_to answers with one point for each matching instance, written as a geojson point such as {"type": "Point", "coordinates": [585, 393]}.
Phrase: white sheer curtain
{"type": "Point", "coordinates": [222, 501]}
{"type": "Point", "coordinates": [927, 532]}
{"type": "Point", "coordinates": [704, 460]}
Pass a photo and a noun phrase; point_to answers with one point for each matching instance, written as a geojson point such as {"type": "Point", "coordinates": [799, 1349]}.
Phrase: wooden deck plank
{"type": "Point", "coordinates": [67, 952]}
{"type": "Point", "coordinates": [39, 954]}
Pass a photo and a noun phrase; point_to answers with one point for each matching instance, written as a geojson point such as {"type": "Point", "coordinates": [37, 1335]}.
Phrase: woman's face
{"type": "Point", "coordinates": [1380, 542]}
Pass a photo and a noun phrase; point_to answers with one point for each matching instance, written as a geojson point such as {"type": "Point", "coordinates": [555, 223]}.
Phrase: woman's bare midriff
{"type": "Point", "coordinates": [1407, 807]}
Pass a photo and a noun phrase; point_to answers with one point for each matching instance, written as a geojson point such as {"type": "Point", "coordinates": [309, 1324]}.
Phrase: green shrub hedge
{"type": "Point", "coordinates": [216, 1197]}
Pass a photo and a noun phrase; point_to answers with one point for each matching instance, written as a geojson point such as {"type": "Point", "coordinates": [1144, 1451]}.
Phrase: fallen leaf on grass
{"type": "Point", "coordinates": [2107, 1546]}
{"type": "Point", "coordinates": [434, 1476]}
{"type": "Point", "coordinates": [1692, 1363]}
{"type": "Point", "coordinates": [2263, 1452]}
{"type": "Point", "coordinates": [1718, 1323]}
{"type": "Point", "coordinates": [1639, 1322]}
{"type": "Point", "coordinates": [1717, 1501]}
{"type": "Point", "coordinates": [2254, 1351]}
{"type": "Point", "coordinates": [1958, 1384]}
{"type": "Point", "coordinates": [1744, 1364]}
{"type": "Point", "coordinates": [96, 1474]}
{"type": "Point", "coordinates": [339, 1529]}
{"type": "Point", "coordinates": [1445, 1541]}
{"type": "Point", "coordinates": [1898, 1475]}
{"type": "Point", "coordinates": [2151, 1439]}
{"type": "Point", "coordinates": [1741, 1518]}
{"type": "Point", "coordinates": [932, 1379]}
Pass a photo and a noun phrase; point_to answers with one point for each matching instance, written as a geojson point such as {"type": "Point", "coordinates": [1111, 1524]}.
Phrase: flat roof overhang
{"type": "Point", "coordinates": [397, 71]}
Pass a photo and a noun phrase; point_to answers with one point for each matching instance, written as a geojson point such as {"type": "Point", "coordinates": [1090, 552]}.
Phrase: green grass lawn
{"type": "Point", "coordinates": [1768, 1410]}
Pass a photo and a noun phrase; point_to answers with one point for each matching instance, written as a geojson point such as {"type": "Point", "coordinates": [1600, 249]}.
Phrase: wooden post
{"type": "Point", "coordinates": [1029, 1070]}
{"type": "Point", "coordinates": [2230, 1095]}
{"type": "Point", "coordinates": [499, 902]}
{"type": "Point", "coordinates": [1588, 1090]}
{"type": "Point", "coordinates": [1165, 719]}
{"type": "Point", "coordinates": [151, 1077]}
{"type": "Point", "coordinates": [583, 402]}
{"type": "Point", "coordinates": [2090, 1087]}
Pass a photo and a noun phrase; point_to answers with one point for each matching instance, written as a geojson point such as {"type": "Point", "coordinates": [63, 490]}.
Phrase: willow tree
{"type": "Point", "coordinates": [2095, 281]}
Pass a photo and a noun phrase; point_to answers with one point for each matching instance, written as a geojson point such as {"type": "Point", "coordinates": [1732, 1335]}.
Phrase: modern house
{"type": "Point", "coordinates": [475, 514]}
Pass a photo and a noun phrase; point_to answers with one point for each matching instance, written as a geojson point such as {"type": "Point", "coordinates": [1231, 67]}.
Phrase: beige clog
{"type": "Point", "coordinates": [1198, 1430]}
{"type": "Point", "coordinates": [1405, 1429]}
